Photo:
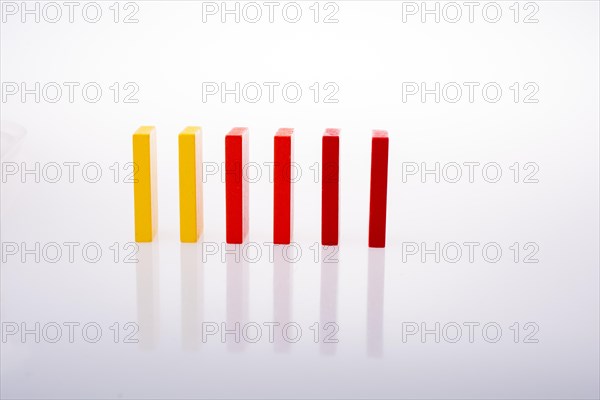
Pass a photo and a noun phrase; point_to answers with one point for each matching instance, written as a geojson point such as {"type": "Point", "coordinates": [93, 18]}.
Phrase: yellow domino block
{"type": "Point", "coordinates": [191, 212]}
{"type": "Point", "coordinates": [144, 186]}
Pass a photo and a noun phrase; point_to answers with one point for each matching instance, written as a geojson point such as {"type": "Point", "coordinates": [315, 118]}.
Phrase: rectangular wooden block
{"type": "Point", "coordinates": [330, 188]}
{"type": "Point", "coordinates": [378, 202]}
{"type": "Point", "coordinates": [191, 217]}
{"type": "Point", "coordinates": [283, 188]}
{"type": "Point", "coordinates": [144, 186]}
{"type": "Point", "coordinates": [236, 186]}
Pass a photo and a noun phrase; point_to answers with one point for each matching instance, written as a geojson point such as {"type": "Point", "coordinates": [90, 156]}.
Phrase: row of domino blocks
{"type": "Point", "coordinates": [236, 187]}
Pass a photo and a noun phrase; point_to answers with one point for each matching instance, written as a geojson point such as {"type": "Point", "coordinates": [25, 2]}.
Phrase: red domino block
{"type": "Point", "coordinates": [330, 202]}
{"type": "Point", "coordinates": [283, 191]}
{"type": "Point", "coordinates": [378, 203]}
{"type": "Point", "coordinates": [236, 187]}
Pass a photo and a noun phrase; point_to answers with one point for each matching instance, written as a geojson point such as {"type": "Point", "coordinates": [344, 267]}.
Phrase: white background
{"type": "Point", "coordinates": [370, 294]}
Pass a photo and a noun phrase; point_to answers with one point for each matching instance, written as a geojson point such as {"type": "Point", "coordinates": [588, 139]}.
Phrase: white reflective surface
{"type": "Point", "coordinates": [359, 322]}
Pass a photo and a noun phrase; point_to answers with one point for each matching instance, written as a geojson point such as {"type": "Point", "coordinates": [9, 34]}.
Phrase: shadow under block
{"type": "Point", "coordinates": [378, 199]}
{"type": "Point", "coordinates": [144, 186]}
{"type": "Point", "coordinates": [330, 200]}
{"type": "Point", "coordinates": [236, 186]}
{"type": "Point", "coordinates": [283, 188]}
{"type": "Point", "coordinates": [191, 217]}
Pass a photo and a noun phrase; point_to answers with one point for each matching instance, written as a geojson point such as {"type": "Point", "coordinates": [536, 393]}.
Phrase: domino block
{"type": "Point", "coordinates": [144, 186]}
{"type": "Point", "coordinates": [330, 198]}
{"type": "Point", "coordinates": [283, 188]}
{"type": "Point", "coordinates": [378, 199]}
{"type": "Point", "coordinates": [191, 218]}
{"type": "Point", "coordinates": [236, 187]}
